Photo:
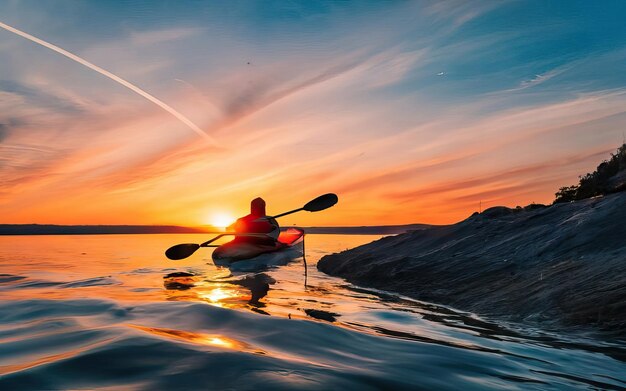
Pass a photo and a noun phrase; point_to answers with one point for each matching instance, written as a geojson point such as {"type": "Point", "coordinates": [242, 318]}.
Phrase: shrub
{"type": "Point", "coordinates": [596, 183]}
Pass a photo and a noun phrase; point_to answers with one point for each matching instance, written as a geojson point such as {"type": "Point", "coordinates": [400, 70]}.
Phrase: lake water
{"type": "Point", "coordinates": [85, 312]}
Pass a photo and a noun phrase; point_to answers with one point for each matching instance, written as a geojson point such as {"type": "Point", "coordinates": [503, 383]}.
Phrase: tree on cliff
{"type": "Point", "coordinates": [609, 177]}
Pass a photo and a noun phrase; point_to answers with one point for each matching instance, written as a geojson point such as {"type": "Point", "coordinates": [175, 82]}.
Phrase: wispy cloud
{"type": "Point", "coordinates": [529, 173]}
{"type": "Point", "coordinates": [154, 37]}
{"type": "Point", "coordinates": [37, 97]}
{"type": "Point", "coordinates": [302, 105]}
{"type": "Point", "coordinates": [111, 76]}
{"type": "Point", "coordinates": [541, 78]}
{"type": "Point", "coordinates": [4, 132]}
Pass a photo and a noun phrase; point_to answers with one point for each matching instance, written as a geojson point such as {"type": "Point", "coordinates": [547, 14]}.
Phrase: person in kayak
{"type": "Point", "coordinates": [257, 222]}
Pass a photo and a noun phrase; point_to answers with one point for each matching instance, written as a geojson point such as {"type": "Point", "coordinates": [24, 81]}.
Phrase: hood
{"type": "Point", "coordinates": [257, 207]}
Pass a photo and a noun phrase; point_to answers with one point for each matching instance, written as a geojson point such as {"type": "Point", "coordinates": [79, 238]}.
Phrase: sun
{"type": "Point", "coordinates": [221, 219]}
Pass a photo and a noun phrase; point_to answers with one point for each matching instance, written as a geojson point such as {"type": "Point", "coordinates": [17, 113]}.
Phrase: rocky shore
{"type": "Point", "coordinates": [559, 266]}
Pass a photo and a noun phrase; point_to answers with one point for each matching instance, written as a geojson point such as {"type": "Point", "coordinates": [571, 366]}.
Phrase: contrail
{"type": "Point", "coordinates": [111, 76]}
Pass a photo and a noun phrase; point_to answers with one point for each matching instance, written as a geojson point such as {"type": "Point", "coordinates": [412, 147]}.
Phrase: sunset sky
{"type": "Point", "coordinates": [409, 111]}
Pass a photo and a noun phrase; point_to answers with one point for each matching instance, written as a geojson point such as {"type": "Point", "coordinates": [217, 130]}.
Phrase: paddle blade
{"type": "Point", "coordinates": [322, 202]}
{"type": "Point", "coordinates": [181, 251]}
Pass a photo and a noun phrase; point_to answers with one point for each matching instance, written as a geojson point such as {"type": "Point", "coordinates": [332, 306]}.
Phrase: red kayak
{"type": "Point", "coordinates": [289, 246]}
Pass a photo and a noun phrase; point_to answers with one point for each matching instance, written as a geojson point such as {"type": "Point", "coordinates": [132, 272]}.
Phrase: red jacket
{"type": "Point", "coordinates": [257, 222]}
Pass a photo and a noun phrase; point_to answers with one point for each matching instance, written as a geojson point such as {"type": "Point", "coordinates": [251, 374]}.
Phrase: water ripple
{"type": "Point", "coordinates": [128, 322]}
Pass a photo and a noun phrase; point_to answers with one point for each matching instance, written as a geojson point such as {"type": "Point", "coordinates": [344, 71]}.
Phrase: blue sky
{"type": "Point", "coordinates": [411, 111]}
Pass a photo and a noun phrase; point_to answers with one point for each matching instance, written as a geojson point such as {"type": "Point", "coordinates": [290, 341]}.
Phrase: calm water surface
{"type": "Point", "coordinates": [104, 311]}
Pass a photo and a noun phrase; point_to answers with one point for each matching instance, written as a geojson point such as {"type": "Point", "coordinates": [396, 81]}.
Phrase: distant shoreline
{"type": "Point", "coordinates": [52, 229]}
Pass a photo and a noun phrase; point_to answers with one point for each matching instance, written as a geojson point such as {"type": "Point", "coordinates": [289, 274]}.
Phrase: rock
{"type": "Point", "coordinates": [321, 314]}
{"type": "Point", "coordinates": [618, 182]}
{"type": "Point", "coordinates": [563, 266]}
{"type": "Point", "coordinates": [497, 211]}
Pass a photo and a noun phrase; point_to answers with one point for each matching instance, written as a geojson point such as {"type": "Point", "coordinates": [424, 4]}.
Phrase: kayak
{"type": "Point", "coordinates": [249, 256]}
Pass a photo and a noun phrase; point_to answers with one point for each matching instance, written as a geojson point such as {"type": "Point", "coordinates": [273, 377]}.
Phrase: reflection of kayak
{"type": "Point", "coordinates": [250, 256]}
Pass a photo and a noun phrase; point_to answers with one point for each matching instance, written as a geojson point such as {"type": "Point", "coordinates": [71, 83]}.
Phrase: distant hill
{"type": "Point", "coordinates": [49, 229]}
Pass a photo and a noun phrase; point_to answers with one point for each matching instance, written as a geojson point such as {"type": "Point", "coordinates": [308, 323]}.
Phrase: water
{"type": "Point", "coordinates": [84, 312]}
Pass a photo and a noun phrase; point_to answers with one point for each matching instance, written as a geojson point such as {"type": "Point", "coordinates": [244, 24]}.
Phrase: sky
{"type": "Point", "coordinates": [411, 111]}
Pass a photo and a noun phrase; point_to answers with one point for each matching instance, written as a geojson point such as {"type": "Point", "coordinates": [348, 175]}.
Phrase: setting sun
{"type": "Point", "coordinates": [221, 219]}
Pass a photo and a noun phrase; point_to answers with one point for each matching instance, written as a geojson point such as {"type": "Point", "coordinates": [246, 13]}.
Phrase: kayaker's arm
{"type": "Point", "coordinates": [320, 203]}
{"type": "Point", "coordinates": [206, 244]}
{"type": "Point", "coordinates": [181, 251]}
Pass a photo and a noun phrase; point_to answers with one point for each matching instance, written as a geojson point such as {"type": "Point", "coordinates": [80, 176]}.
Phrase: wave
{"type": "Point", "coordinates": [90, 343]}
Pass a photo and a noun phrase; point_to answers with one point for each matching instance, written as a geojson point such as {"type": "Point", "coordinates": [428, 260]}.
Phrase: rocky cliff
{"type": "Point", "coordinates": [561, 266]}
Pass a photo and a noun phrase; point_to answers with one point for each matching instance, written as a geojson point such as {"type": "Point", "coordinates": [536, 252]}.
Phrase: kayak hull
{"type": "Point", "coordinates": [252, 256]}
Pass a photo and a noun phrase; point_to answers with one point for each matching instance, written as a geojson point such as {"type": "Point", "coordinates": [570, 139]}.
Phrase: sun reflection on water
{"type": "Point", "coordinates": [217, 340]}
{"type": "Point", "coordinates": [222, 296]}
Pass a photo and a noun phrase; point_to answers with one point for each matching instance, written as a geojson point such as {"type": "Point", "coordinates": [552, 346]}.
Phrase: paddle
{"type": "Point", "coordinates": [181, 251]}
{"type": "Point", "coordinates": [320, 203]}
